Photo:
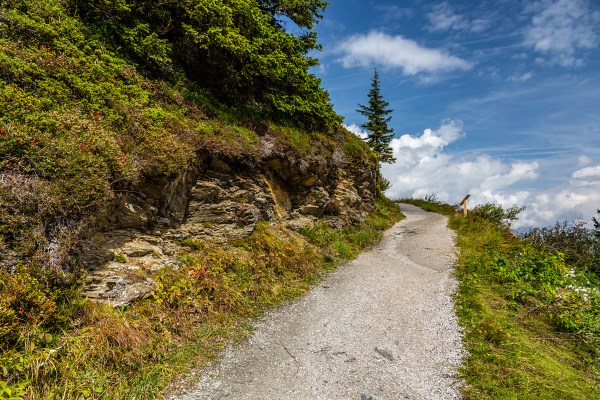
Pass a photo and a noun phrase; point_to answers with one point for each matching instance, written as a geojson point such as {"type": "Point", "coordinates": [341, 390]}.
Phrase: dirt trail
{"type": "Point", "coordinates": [381, 327]}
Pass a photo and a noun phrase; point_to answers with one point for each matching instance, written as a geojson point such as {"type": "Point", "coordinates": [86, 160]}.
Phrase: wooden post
{"type": "Point", "coordinates": [464, 204]}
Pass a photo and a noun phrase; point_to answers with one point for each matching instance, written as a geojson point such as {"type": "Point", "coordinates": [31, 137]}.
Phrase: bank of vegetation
{"type": "Point", "coordinates": [62, 346]}
{"type": "Point", "coordinates": [529, 305]}
{"type": "Point", "coordinates": [95, 97]}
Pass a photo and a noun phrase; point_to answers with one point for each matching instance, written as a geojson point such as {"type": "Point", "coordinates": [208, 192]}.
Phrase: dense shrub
{"type": "Point", "coordinates": [498, 215]}
{"type": "Point", "coordinates": [579, 244]}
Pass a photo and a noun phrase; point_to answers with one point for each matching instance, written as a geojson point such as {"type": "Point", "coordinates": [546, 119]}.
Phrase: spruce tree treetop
{"type": "Point", "coordinates": [377, 111]}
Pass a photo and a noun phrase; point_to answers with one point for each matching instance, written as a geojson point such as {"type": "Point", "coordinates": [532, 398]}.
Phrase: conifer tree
{"type": "Point", "coordinates": [380, 134]}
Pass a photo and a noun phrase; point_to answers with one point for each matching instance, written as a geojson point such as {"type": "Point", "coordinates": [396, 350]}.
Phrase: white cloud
{"type": "Point", "coordinates": [567, 204]}
{"type": "Point", "coordinates": [445, 135]}
{"type": "Point", "coordinates": [357, 131]}
{"type": "Point", "coordinates": [443, 18]}
{"type": "Point", "coordinates": [587, 172]}
{"type": "Point", "coordinates": [560, 29]}
{"type": "Point", "coordinates": [480, 25]}
{"type": "Point", "coordinates": [378, 48]}
{"type": "Point", "coordinates": [424, 166]}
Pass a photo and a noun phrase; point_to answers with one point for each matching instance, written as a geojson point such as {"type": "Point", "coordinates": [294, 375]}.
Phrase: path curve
{"type": "Point", "coordinates": [379, 328]}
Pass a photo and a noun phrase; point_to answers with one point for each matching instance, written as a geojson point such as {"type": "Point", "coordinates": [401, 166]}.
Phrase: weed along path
{"type": "Point", "coordinates": [380, 327]}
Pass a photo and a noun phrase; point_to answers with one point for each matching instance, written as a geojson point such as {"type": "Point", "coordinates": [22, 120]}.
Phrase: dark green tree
{"type": "Point", "coordinates": [250, 55]}
{"type": "Point", "coordinates": [380, 134]}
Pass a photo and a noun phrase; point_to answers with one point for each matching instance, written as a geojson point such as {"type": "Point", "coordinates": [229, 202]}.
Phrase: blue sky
{"type": "Point", "coordinates": [499, 99]}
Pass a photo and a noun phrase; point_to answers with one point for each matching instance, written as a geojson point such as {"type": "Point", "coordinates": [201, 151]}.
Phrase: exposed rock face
{"type": "Point", "coordinates": [220, 199]}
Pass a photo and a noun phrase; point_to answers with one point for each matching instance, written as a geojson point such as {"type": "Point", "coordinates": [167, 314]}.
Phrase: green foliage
{"type": "Point", "coordinates": [497, 214]}
{"type": "Point", "coordinates": [120, 258]}
{"type": "Point", "coordinates": [354, 147]}
{"type": "Point", "coordinates": [12, 392]}
{"type": "Point", "coordinates": [78, 120]}
{"type": "Point", "coordinates": [346, 243]}
{"type": "Point", "coordinates": [528, 315]}
{"type": "Point", "coordinates": [384, 184]}
{"type": "Point", "coordinates": [377, 123]}
{"type": "Point", "coordinates": [529, 273]}
{"type": "Point", "coordinates": [36, 306]}
{"type": "Point", "coordinates": [580, 245]}
{"type": "Point", "coordinates": [596, 225]}
{"type": "Point", "coordinates": [239, 51]}
{"type": "Point", "coordinates": [32, 300]}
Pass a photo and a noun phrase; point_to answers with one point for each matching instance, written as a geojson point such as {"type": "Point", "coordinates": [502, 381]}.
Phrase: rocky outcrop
{"type": "Point", "coordinates": [221, 199]}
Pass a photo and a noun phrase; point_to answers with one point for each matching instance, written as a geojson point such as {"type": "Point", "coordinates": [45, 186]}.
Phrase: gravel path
{"type": "Point", "coordinates": [380, 327]}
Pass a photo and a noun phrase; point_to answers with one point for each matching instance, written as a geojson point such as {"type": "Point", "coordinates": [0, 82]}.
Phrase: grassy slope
{"type": "Point", "coordinates": [196, 310]}
{"type": "Point", "coordinates": [80, 121]}
{"type": "Point", "coordinates": [529, 334]}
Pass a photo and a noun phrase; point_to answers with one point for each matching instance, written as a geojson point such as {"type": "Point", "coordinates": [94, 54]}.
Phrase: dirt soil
{"type": "Point", "coordinates": [380, 327]}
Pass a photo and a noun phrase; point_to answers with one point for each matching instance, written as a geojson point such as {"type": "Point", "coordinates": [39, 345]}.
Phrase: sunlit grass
{"type": "Point", "coordinates": [516, 350]}
{"type": "Point", "coordinates": [198, 309]}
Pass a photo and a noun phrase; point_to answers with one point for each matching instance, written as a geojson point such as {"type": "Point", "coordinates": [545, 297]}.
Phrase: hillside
{"type": "Point", "coordinates": [96, 103]}
{"type": "Point", "coordinates": [167, 152]}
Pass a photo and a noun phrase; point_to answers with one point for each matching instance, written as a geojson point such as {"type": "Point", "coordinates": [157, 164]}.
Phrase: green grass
{"type": "Point", "coordinates": [510, 302]}
{"type": "Point", "coordinates": [346, 243]}
{"type": "Point", "coordinates": [67, 347]}
{"type": "Point", "coordinates": [431, 204]}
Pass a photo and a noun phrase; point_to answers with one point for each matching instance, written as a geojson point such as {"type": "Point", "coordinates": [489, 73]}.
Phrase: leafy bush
{"type": "Point", "coordinates": [526, 272]}
{"type": "Point", "coordinates": [580, 245]}
{"type": "Point", "coordinates": [498, 215]}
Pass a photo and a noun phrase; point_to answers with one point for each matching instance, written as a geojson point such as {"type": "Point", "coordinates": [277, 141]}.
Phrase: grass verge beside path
{"type": "Point", "coordinates": [86, 351]}
{"type": "Point", "coordinates": [531, 329]}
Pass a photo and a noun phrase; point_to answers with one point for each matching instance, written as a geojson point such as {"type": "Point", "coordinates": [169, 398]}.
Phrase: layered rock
{"type": "Point", "coordinates": [221, 199]}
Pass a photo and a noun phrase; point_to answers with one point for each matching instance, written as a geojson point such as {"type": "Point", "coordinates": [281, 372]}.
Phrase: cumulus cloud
{"type": "Point", "coordinates": [425, 166]}
{"type": "Point", "coordinates": [587, 172]}
{"type": "Point", "coordinates": [568, 204]}
{"type": "Point", "coordinates": [357, 131]}
{"type": "Point", "coordinates": [445, 135]}
{"type": "Point", "coordinates": [559, 29]}
{"type": "Point", "coordinates": [396, 52]}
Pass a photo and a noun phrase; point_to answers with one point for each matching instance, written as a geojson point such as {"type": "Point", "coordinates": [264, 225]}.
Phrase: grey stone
{"type": "Point", "coordinates": [222, 199]}
{"type": "Point", "coordinates": [117, 285]}
{"type": "Point", "coordinates": [385, 353]}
